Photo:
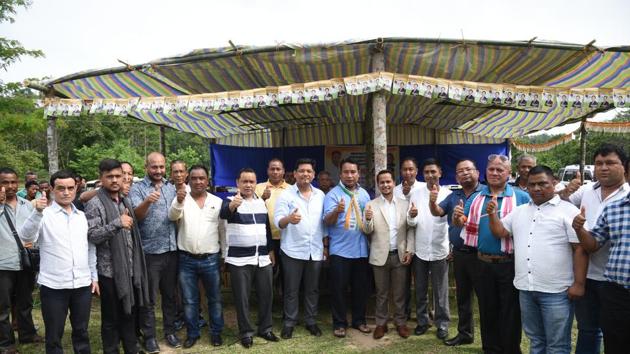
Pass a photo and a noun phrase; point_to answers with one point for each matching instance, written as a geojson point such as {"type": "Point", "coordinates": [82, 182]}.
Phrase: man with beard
{"type": "Point", "coordinates": [151, 199]}
{"type": "Point", "coordinates": [120, 259]}
{"type": "Point", "coordinates": [498, 298]}
{"type": "Point", "coordinates": [609, 161]}
{"type": "Point", "coordinates": [464, 257]}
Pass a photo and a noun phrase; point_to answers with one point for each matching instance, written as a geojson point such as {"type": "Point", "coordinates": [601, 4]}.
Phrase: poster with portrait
{"type": "Point", "coordinates": [285, 95]}
{"type": "Point", "coordinates": [455, 89]}
{"type": "Point", "coordinates": [272, 96]}
{"type": "Point", "coordinates": [217, 102]}
{"type": "Point", "coordinates": [339, 87]}
{"type": "Point", "coordinates": [621, 98]}
{"type": "Point", "coordinates": [535, 94]}
{"type": "Point", "coordinates": [508, 94]}
{"type": "Point", "coordinates": [97, 106]}
{"type": "Point", "coordinates": [50, 106]}
{"type": "Point", "coordinates": [605, 98]}
{"type": "Point", "coordinates": [234, 98]}
{"type": "Point", "coordinates": [109, 106]}
{"type": "Point", "coordinates": [468, 92]}
{"type": "Point", "coordinates": [170, 105]}
{"type": "Point", "coordinates": [334, 154]}
{"type": "Point", "coordinates": [549, 98]}
{"type": "Point", "coordinates": [122, 107]}
{"type": "Point", "coordinates": [260, 98]}
{"type": "Point", "coordinates": [576, 99]}
{"type": "Point", "coordinates": [496, 95]}
{"type": "Point", "coordinates": [400, 84]}
{"type": "Point", "coordinates": [182, 103]}
{"type": "Point", "coordinates": [297, 94]}
{"type": "Point", "coordinates": [413, 85]}
{"type": "Point", "coordinates": [195, 103]}
{"type": "Point", "coordinates": [311, 92]}
{"type": "Point", "coordinates": [428, 88]}
{"type": "Point", "coordinates": [326, 90]}
{"type": "Point", "coordinates": [521, 96]}
{"type": "Point", "coordinates": [482, 95]}
{"type": "Point", "coordinates": [441, 89]}
{"type": "Point", "coordinates": [368, 82]}
{"type": "Point", "coordinates": [246, 99]}
{"type": "Point", "coordinates": [591, 99]}
{"type": "Point", "coordinates": [562, 97]}
{"type": "Point", "coordinates": [352, 85]}
{"type": "Point", "coordinates": [386, 79]}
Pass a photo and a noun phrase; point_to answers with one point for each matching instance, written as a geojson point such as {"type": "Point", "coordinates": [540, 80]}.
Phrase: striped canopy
{"type": "Point", "coordinates": [411, 120]}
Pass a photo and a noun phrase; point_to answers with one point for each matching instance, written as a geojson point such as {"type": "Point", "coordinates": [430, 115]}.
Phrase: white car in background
{"type": "Point", "coordinates": [567, 173]}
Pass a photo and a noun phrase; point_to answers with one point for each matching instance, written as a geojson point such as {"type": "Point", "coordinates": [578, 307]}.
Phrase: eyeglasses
{"type": "Point", "coordinates": [465, 170]}
{"type": "Point", "coordinates": [503, 158]}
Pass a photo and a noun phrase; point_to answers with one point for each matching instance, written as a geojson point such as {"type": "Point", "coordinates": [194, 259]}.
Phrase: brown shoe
{"type": "Point", "coordinates": [339, 332]}
{"type": "Point", "coordinates": [34, 339]}
{"type": "Point", "coordinates": [403, 331]}
{"type": "Point", "coordinates": [379, 332]}
{"type": "Point", "coordinates": [363, 328]}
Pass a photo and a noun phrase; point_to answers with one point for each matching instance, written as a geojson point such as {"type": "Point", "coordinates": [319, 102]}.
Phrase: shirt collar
{"type": "Point", "coordinates": [553, 201]}
{"type": "Point", "coordinates": [149, 182]}
{"type": "Point", "coordinates": [387, 201]}
{"type": "Point", "coordinates": [282, 185]}
{"type": "Point", "coordinates": [507, 192]}
{"type": "Point", "coordinates": [57, 208]}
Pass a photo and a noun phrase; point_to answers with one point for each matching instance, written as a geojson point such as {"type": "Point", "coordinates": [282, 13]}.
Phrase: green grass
{"type": "Point", "coordinates": [302, 341]}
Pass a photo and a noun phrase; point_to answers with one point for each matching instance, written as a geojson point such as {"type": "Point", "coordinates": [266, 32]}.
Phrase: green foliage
{"type": "Point", "coordinates": [187, 154]}
{"type": "Point", "coordinates": [88, 157]}
{"type": "Point", "coordinates": [10, 49]}
{"type": "Point", "coordinates": [21, 160]}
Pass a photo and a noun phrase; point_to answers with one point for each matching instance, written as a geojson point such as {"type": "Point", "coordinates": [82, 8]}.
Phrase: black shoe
{"type": "Point", "coordinates": [202, 322]}
{"type": "Point", "coordinates": [287, 332]}
{"type": "Point", "coordinates": [179, 324]}
{"type": "Point", "coordinates": [269, 336]}
{"type": "Point", "coordinates": [216, 340]}
{"type": "Point", "coordinates": [420, 330]}
{"type": "Point", "coordinates": [189, 342]}
{"type": "Point", "coordinates": [173, 341]}
{"type": "Point", "coordinates": [442, 333]}
{"type": "Point", "coordinates": [314, 330]}
{"type": "Point", "coordinates": [247, 342]}
{"type": "Point", "coordinates": [151, 346]}
{"type": "Point", "coordinates": [458, 340]}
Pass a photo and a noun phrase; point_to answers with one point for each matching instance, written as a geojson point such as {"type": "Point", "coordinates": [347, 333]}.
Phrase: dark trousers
{"type": "Point", "coordinates": [615, 318]}
{"type": "Point", "coordinates": [438, 272]}
{"type": "Point", "coordinates": [499, 309]}
{"type": "Point", "coordinates": [162, 274]}
{"type": "Point", "coordinates": [55, 306]}
{"type": "Point", "coordinates": [587, 313]}
{"type": "Point", "coordinates": [116, 326]}
{"type": "Point", "coordinates": [242, 278]}
{"type": "Point", "coordinates": [344, 272]}
{"type": "Point", "coordinates": [466, 271]}
{"type": "Point", "coordinates": [17, 286]}
{"type": "Point", "coordinates": [296, 272]}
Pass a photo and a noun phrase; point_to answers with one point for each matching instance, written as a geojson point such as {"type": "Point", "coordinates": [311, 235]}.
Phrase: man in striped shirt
{"type": "Point", "coordinates": [249, 256]}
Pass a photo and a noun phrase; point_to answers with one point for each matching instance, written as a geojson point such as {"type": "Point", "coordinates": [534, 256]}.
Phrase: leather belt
{"type": "Point", "coordinates": [196, 256]}
{"type": "Point", "coordinates": [493, 258]}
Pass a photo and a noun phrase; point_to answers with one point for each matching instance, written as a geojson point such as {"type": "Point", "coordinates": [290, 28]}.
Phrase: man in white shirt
{"type": "Point", "coordinates": [550, 265]}
{"type": "Point", "coordinates": [609, 171]}
{"type": "Point", "coordinates": [409, 173]}
{"type": "Point", "coordinates": [298, 215]}
{"type": "Point", "coordinates": [67, 276]}
{"type": "Point", "coordinates": [249, 256]}
{"type": "Point", "coordinates": [431, 251]}
{"type": "Point", "coordinates": [201, 243]}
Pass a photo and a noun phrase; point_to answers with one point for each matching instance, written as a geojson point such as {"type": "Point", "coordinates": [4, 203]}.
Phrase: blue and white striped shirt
{"type": "Point", "coordinates": [614, 225]}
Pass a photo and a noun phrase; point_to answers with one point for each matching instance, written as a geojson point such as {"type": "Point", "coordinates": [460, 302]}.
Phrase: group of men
{"type": "Point", "coordinates": [528, 253]}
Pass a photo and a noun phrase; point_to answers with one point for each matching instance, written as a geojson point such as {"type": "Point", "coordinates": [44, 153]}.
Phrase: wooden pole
{"type": "Point", "coordinates": [582, 147]}
{"type": "Point", "coordinates": [379, 120]}
{"type": "Point", "coordinates": [163, 140]}
{"type": "Point", "coordinates": [51, 144]}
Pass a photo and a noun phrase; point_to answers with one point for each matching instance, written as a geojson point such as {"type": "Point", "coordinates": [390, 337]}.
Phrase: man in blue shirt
{"type": "Point", "coordinates": [499, 309]}
{"type": "Point", "coordinates": [464, 257]}
{"type": "Point", "coordinates": [151, 199]}
{"type": "Point", "coordinates": [343, 210]}
{"type": "Point", "coordinates": [298, 214]}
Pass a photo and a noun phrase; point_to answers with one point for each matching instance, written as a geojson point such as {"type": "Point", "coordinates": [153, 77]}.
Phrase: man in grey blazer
{"type": "Point", "coordinates": [390, 230]}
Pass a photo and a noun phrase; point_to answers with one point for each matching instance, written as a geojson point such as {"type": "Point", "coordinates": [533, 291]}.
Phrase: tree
{"type": "Point", "coordinates": [10, 49]}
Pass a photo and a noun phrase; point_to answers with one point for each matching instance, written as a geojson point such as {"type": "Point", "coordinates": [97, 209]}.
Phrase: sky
{"type": "Point", "coordinates": [78, 35]}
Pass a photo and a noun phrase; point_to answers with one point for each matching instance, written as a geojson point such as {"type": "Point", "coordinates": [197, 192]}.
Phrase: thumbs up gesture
{"type": "Point", "coordinates": [126, 221]}
{"type": "Point", "coordinates": [181, 193]}
{"type": "Point", "coordinates": [406, 187]}
{"type": "Point", "coordinates": [341, 207]}
{"type": "Point", "coordinates": [575, 183]}
{"type": "Point", "coordinates": [236, 201]}
{"type": "Point", "coordinates": [491, 207]}
{"type": "Point", "coordinates": [41, 203]}
{"type": "Point", "coordinates": [267, 193]}
{"type": "Point", "coordinates": [433, 195]}
{"type": "Point", "coordinates": [295, 217]}
{"type": "Point", "coordinates": [369, 213]}
{"type": "Point", "coordinates": [580, 219]}
{"type": "Point", "coordinates": [3, 195]}
{"type": "Point", "coordinates": [154, 196]}
{"type": "Point", "coordinates": [458, 214]}
{"type": "Point", "coordinates": [413, 211]}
